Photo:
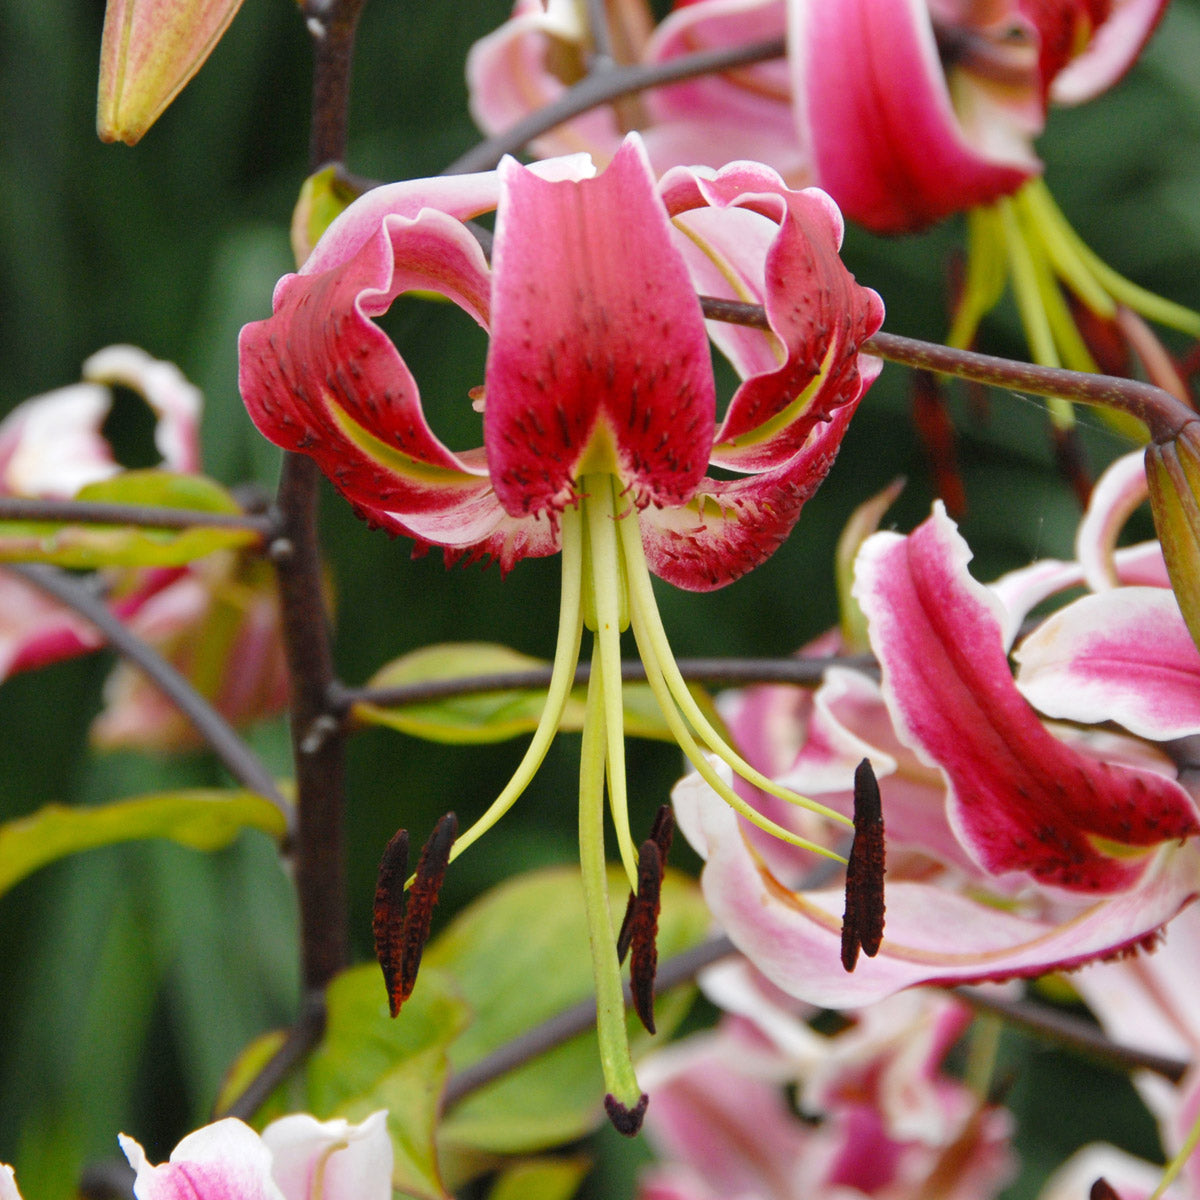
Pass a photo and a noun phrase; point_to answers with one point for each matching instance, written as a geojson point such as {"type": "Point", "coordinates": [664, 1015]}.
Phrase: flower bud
{"type": "Point", "coordinates": [1173, 476]}
{"type": "Point", "coordinates": [150, 49]}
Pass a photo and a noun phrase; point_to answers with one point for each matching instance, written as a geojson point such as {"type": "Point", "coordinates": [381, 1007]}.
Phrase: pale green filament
{"type": "Point", "coordinates": [611, 1032]}
{"type": "Point", "coordinates": [562, 677]}
{"type": "Point", "coordinates": [1171, 1173]}
{"type": "Point", "coordinates": [680, 709]}
{"type": "Point", "coordinates": [610, 605]}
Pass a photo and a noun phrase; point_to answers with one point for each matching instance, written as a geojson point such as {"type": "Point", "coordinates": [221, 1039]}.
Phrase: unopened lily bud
{"type": "Point", "coordinates": [1173, 476]}
{"type": "Point", "coordinates": [323, 197]}
{"type": "Point", "coordinates": [150, 49]}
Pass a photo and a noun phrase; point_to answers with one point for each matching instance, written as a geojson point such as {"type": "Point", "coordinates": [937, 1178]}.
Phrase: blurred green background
{"type": "Point", "coordinates": [131, 976]}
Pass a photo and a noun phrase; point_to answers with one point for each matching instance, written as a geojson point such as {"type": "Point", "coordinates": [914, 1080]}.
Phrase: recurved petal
{"type": "Point", "coordinates": [730, 526]}
{"type": "Point", "coordinates": [1124, 655]}
{"type": "Point", "coordinates": [320, 377]}
{"type": "Point", "coordinates": [873, 104]}
{"type": "Point", "coordinates": [749, 237]}
{"type": "Point", "coordinates": [599, 357]}
{"type": "Point", "coordinates": [1019, 799]}
{"type": "Point", "coordinates": [933, 935]}
{"type": "Point", "coordinates": [1110, 52]}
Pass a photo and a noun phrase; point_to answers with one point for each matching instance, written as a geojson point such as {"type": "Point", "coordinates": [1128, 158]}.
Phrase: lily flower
{"type": "Point", "coordinates": [881, 1116]}
{"type": "Point", "coordinates": [215, 619]}
{"type": "Point", "coordinates": [599, 418]}
{"type": "Point", "coordinates": [1025, 846]}
{"type": "Point", "coordinates": [295, 1158]}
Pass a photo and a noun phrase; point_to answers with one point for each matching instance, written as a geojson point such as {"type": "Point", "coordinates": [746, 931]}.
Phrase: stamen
{"type": "Point", "coordinates": [643, 931]}
{"type": "Point", "coordinates": [862, 925]}
{"type": "Point", "coordinates": [388, 923]}
{"type": "Point", "coordinates": [1103, 1190]}
{"type": "Point", "coordinates": [662, 833]}
{"type": "Point", "coordinates": [627, 1121]}
{"type": "Point", "coordinates": [402, 928]}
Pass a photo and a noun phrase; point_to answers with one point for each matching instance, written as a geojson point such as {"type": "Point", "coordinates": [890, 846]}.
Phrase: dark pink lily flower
{"type": "Point", "coordinates": [1082, 835]}
{"type": "Point", "coordinates": [599, 415]}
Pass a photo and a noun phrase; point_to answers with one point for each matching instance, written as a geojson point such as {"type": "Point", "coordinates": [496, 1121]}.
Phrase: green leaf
{"type": "Point", "coordinates": [542, 1179]}
{"type": "Point", "coordinates": [204, 819]}
{"type": "Point", "coordinates": [520, 956]}
{"type": "Point", "coordinates": [488, 716]}
{"type": "Point", "coordinates": [88, 546]}
{"type": "Point", "coordinates": [367, 1061]}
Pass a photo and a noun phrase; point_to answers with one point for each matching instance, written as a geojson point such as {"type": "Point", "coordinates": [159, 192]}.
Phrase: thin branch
{"type": "Point", "coordinates": [1072, 1033]}
{"type": "Point", "coordinates": [147, 516]}
{"type": "Point", "coordinates": [1163, 414]}
{"type": "Point", "coordinates": [607, 85]}
{"type": "Point", "coordinates": [224, 741]}
{"type": "Point", "coordinates": [300, 1039]}
{"type": "Point", "coordinates": [731, 672]}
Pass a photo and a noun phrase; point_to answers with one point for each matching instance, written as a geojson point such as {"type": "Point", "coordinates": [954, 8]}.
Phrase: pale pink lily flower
{"type": "Point", "coordinates": [215, 619]}
{"type": "Point", "coordinates": [296, 1158]}
{"type": "Point", "coordinates": [534, 57]}
{"type": "Point", "coordinates": [892, 1124]}
{"type": "Point", "coordinates": [1080, 831]}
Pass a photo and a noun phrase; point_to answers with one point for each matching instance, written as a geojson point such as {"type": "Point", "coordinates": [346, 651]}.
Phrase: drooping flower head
{"type": "Point", "coordinates": [599, 413]}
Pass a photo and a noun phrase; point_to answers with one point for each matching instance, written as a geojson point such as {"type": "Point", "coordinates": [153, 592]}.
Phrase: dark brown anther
{"type": "Point", "coordinates": [626, 1120]}
{"type": "Point", "coordinates": [1103, 1190]}
{"type": "Point", "coordinates": [388, 914]}
{"type": "Point", "coordinates": [422, 896]}
{"type": "Point", "coordinates": [402, 928]}
{"type": "Point", "coordinates": [662, 833]}
{"type": "Point", "coordinates": [862, 925]}
{"type": "Point", "coordinates": [643, 957]}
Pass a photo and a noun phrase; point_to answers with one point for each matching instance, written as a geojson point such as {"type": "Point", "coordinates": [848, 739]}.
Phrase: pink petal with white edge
{"type": "Point", "coordinates": [872, 102]}
{"type": "Point", "coordinates": [733, 525]}
{"type": "Point", "coordinates": [1019, 799]}
{"type": "Point", "coordinates": [932, 935]}
{"type": "Point", "coordinates": [1111, 52]}
{"type": "Point", "coordinates": [223, 1161]}
{"type": "Point", "coordinates": [176, 402]}
{"type": "Point", "coordinates": [331, 1160]}
{"type": "Point", "coordinates": [51, 445]}
{"type": "Point", "coordinates": [1118, 492]}
{"type": "Point", "coordinates": [598, 351]}
{"type": "Point", "coordinates": [1124, 655]}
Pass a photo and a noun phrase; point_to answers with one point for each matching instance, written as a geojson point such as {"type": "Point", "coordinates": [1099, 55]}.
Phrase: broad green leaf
{"type": "Point", "coordinates": [87, 546]}
{"type": "Point", "coordinates": [520, 956]}
{"type": "Point", "coordinates": [542, 1179]}
{"type": "Point", "coordinates": [367, 1061]}
{"type": "Point", "coordinates": [203, 819]}
{"type": "Point", "coordinates": [488, 716]}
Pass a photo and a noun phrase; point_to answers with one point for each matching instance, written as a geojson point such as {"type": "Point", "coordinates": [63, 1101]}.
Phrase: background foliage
{"type": "Point", "coordinates": [132, 975]}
